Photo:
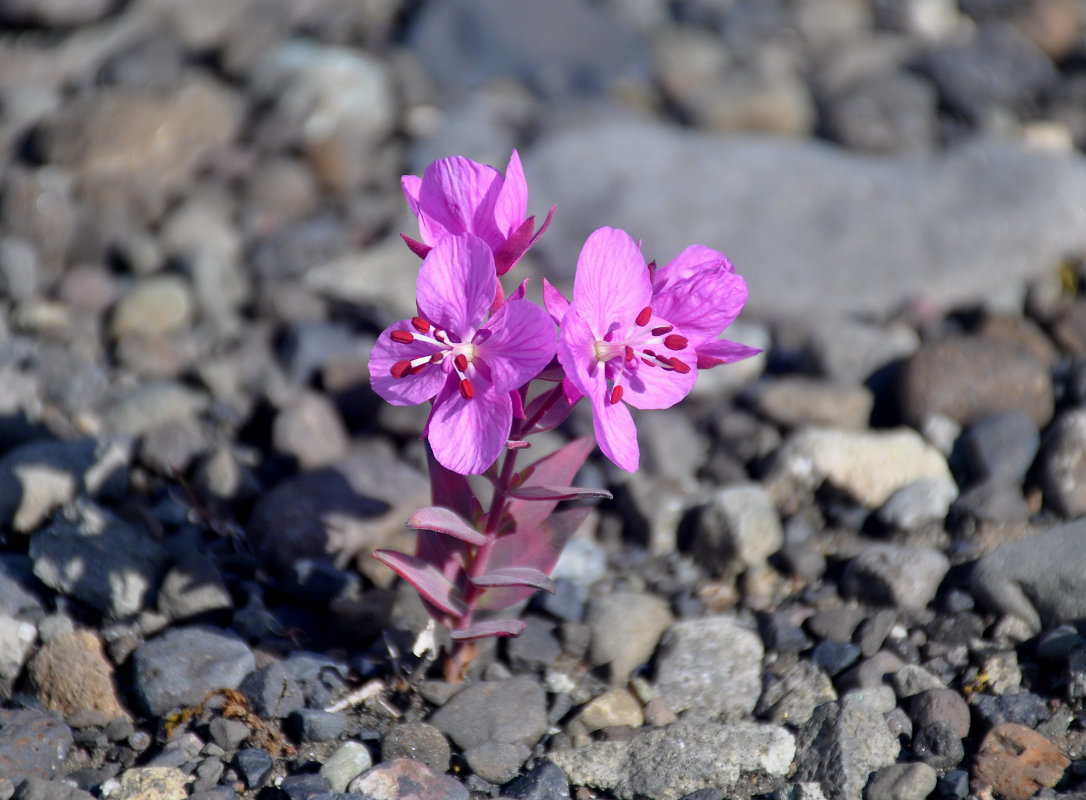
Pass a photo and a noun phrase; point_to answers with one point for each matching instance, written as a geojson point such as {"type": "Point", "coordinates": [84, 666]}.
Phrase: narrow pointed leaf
{"type": "Point", "coordinates": [494, 627]}
{"type": "Point", "coordinates": [558, 493]}
{"type": "Point", "coordinates": [447, 521]}
{"type": "Point", "coordinates": [516, 576]}
{"type": "Point", "coordinates": [557, 469]}
{"type": "Point", "coordinates": [434, 587]}
{"type": "Point", "coordinates": [538, 547]}
{"type": "Point", "coordinates": [416, 247]}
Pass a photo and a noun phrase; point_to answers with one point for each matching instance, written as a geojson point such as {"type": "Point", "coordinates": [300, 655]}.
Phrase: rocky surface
{"type": "Point", "coordinates": [849, 568]}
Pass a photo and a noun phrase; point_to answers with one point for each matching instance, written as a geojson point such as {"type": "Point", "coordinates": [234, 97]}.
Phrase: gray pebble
{"type": "Point", "coordinates": [497, 762]}
{"type": "Point", "coordinates": [192, 587]}
{"type": "Point", "coordinates": [947, 705]}
{"type": "Point", "coordinates": [228, 733]}
{"type": "Point", "coordinates": [902, 576]}
{"type": "Point", "coordinates": [938, 744]}
{"type": "Point", "coordinates": [349, 761]}
{"type": "Point", "coordinates": [182, 666]}
{"type": "Point", "coordinates": [272, 692]}
{"type": "Point", "coordinates": [40, 789]}
{"type": "Point", "coordinates": [738, 524]}
{"type": "Point", "coordinates": [418, 740]}
{"type": "Point", "coordinates": [697, 657]}
{"type": "Point", "coordinates": [317, 725]}
{"type": "Point", "coordinates": [544, 782]}
{"type": "Point", "coordinates": [33, 743]}
{"type": "Point", "coordinates": [512, 710]}
{"type": "Point", "coordinates": [1003, 445]}
{"type": "Point", "coordinates": [922, 501]}
{"type": "Point", "coordinates": [535, 649]}
{"type": "Point", "coordinates": [901, 782]}
{"type": "Point", "coordinates": [626, 627]}
{"type": "Point", "coordinates": [255, 765]}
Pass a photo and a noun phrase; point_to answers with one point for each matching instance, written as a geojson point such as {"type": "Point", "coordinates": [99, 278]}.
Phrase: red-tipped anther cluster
{"type": "Point", "coordinates": [429, 333]}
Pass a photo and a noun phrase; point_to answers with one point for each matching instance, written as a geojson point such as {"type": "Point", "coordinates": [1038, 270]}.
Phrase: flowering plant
{"type": "Point", "coordinates": [632, 335]}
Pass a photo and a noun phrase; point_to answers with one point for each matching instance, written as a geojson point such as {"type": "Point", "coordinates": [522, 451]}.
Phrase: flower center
{"type": "Point", "coordinates": [641, 345]}
{"type": "Point", "coordinates": [463, 354]}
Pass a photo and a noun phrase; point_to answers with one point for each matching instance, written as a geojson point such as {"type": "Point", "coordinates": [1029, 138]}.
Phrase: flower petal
{"type": "Point", "coordinates": [612, 282]}
{"type": "Point", "coordinates": [576, 354]}
{"type": "Point", "coordinates": [410, 389]}
{"type": "Point", "coordinates": [457, 195]}
{"type": "Point", "coordinates": [656, 387]}
{"type": "Point", "coordinates": [520, 344]}
{"type": "Point", "coordinates": [456, 284]}
{"type": "Point", "coordinates": [694, 260]}
{"type": "Point", "coordinates": [467, 436]}
{"type": "Point", "coordinates": [615, 431]}
{"type": "Point", "coordinates": [724, 351]}
{"type": "Point", "coordinates": [702, 305]}
{"type": "Point", "coordinates": [411, 185]}
{"type": "Point", "coordinates": [511, 206]}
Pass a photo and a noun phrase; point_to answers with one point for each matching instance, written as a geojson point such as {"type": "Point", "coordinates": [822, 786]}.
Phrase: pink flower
{"type": "Point", "coordinates": [616, 347]}
{"type": "Point", "coordinates": [453, 354]}
{"type": "Point", "coordinates": [457, 195]}
{"type": "Point", "coordinates": [699, 292]}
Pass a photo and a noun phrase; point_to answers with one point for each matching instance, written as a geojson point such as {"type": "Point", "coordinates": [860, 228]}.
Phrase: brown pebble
{"type": "Point", "coordinates": [72, 673]}
{"type": "Point", "coordinates": [1015, 762]}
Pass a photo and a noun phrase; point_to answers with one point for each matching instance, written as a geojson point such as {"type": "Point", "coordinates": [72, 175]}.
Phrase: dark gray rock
{"type": "Point", "coordinates": [901, 576]}
{"type": "Point", "coordinates": [938, 744]}
{"type": "Point", "coordinates": [793, 690]}
{"type": "Point", "coordinates": [183, 665]}
{"type": "Point", "coordinates": [317, 725]}
{"type": "Point", "coordinates": [255, 765]}
{"type": "Point", "coordinates": [39, 789]}
{"type": "Point", "coordinates": [19, 588]}
{"type": "Point", "coordinates": [100, 560]}
{"type": "Point", "coordinates": [1021, 708]}
{"type": "Point", "coordinates": [569, 48]}
{"type": "Point", "coordinates": [323, 679]}
{"type": "Point", "coordinates": [272, 692]}
{"type": "Point", "coordinates": [512, 710]}
{"type": "Point", "coordinates": [544, 782]}
{"type": "Point", "coordinates": [841, 745]}
{"type": "Point", "coordinates": [970, 378]}
{"type": "Point", "coordinates": [999, 68]}
{"type": "Point", "coordinates": [33, 743]}
{"type": "Point", "coordinates": [228, 733]}
{"type": "Point", "coordinates": [890, 113]}
{"type": "Point", "coordinates": [191, 587]}
{"type": "Point", "coordinates": [941, 704]}
{"type": "Point", "coordinates": [497, 762]}
{"type": "Point", "coordinates": [1040, 579]}
{"type": "Point", "coordinates": [303, 786]}
{"type": "Point", "coordinates": [536, 648]}
{"type": "Point", "coordinates": [835, 657]}
{"type": "Point", "coordinates": [901, 782]}
{"type": "Point", "coordinates": [1003, 445]}
{"type": "Point", "coordinates": [993, 500]}
{"type": "Point", "coordinates": [418, 740]}
{"type": "Point", "coordinates": [1063, 463]}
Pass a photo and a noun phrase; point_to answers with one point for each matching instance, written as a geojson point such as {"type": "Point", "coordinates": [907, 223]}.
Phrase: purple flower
{"type": "Point", "coordinates": [616, 347]}
{"type": "Point", "coordinates": [699, 292]}
{"type": "Point", "coordinates": [453, 354]}
{"type": "Point", "coordinates": [457, 195]}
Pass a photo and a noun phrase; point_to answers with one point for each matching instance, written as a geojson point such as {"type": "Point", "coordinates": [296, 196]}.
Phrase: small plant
{"type": "Point", "coordinates": [498, 368]}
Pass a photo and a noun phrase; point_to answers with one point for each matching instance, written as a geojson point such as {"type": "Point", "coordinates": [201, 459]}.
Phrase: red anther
{"type": "Point", "coordinates": [403, 337]}
{"type": "Point", "coordinates": [616, 394]}
{"type": "Point", "coordinates": [629, 353]}
{"type": "Point", "coordinates": [437, 357]}
{"type": "Point", "coordinates": [467, 391]}
{"type": "Point", "coordinates": [649, 353]}
{"type": "Point", "coordinates": [680, 366]}
{"type": "Point", "coordinates": [644, 317]}
{"type": "Point", "coordinates": [399, 369]}
{"type": "Point", "coordinates": [675, 342]}
{"type": "Point", "coordinates": [420, 367]}
{"type": "Point", "coordinates": [662, 330]}
{"type": "Point", "coordinates": [649, 363]}
{"type": "Point", "coordinates": [421, 325]}
{"type": "Point", "coordinates": [461, 361]}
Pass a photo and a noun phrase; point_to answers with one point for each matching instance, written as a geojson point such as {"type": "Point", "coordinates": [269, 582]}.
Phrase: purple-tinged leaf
{"type": "Point", "coordinates": [447, 521]}
{"type": "Point", "coordinates": [538, 547]}
{"type": "Point", "coordinates": [434, 587]}
{"type": "Point", "coordinates": [516, 576]}
{"type": "Point", "coordinates": [494, 627]}
{"type": "Point", "coordinates": [557, 469]}
{"type": "Point", "coordinates": [558, 493]}
{"type": "Point", "coordinates": [547, 411]}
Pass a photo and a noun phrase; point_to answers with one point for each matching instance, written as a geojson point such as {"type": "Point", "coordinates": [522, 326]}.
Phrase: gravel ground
{"type": "Point", "coordinates": [853, 567]}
